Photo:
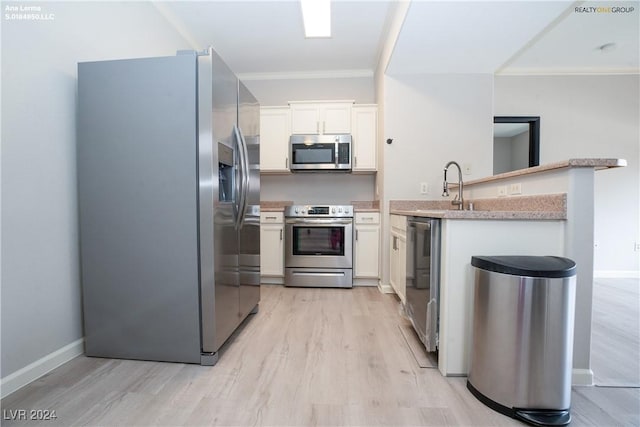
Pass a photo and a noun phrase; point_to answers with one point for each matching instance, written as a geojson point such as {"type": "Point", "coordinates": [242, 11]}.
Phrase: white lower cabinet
{"type": "Point", "coordinates": [398, 256]}
{"type": "Point", "coordinates": [367, 243]}
{"type": "Point", "coordinates": [272, 244]}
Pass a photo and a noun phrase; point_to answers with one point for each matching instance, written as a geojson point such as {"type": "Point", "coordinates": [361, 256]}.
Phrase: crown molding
{"type": "Point", "coordinates": [305, 75]}
{"type": "Point", "coordinates": [568, 71]}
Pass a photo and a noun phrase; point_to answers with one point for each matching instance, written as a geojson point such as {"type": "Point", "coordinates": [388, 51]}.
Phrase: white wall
{"type": "Point", "coordinates": [432, 119]}
{"type": "Point", "coordinates": [589, 116]}
{"type": "Point", "coordinates": [501, 155]}
{"type": "Point", "coordinates": [435, 118]}
{"type": "Point", "coordinates": [510, 153]}
{"type": "Point", "coordinates": [41, 305]}
{"type": "Point", "coordinates": [317, 188]}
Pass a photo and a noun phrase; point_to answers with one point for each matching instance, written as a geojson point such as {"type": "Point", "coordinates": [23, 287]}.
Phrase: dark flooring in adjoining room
{"type": "Point", "coordinates": [329, 357]}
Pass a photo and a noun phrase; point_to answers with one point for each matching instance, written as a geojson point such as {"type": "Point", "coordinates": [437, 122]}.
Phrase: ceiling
{"type": "Point", "coordinates": [265, 39]}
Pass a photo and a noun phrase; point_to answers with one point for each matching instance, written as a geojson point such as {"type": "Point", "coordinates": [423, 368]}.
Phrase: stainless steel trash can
{"type": "Point", "coordinates": [521, 358]}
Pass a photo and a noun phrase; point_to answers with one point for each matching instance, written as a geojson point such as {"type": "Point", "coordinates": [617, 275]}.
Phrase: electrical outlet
{"type": "Point", "coordinates": [515, 188]}
{"type": "Point", "coordinates": [502, 191]}
{"type": "Point", "coordinates": [466, 168]}
{"type": "Point", "coordinates": [424, 188]}
{"type": "Point", "coordinates": [636, 247]}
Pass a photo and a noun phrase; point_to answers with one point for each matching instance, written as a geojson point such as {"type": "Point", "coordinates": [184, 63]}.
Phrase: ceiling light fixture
{"type": "Point", "coordinates": [316, 15]}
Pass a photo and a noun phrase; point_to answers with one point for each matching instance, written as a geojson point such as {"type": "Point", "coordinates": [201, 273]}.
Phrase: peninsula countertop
{"type": "Point", "coordinates": [539, 207]}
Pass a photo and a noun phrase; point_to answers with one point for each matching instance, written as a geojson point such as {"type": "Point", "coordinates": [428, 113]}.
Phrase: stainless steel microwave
{"type": "Point", "coordinates": [323, 153]}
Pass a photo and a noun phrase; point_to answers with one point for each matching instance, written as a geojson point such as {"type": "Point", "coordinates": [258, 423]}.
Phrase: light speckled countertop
{"type": "Point", "coordinates": [571, 163]}
{"type": "Point", "coordinates": [542, 207]}
{"type": "Point", "coordinates": [366, 206]}
{"type": "Point", "coordinates": [475, 214]}
{"type": "Point", "coordinates": [274, 205]}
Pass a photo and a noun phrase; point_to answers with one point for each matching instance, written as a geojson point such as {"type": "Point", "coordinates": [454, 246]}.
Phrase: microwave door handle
{"type": "Point", "coordinates": [337, 154]}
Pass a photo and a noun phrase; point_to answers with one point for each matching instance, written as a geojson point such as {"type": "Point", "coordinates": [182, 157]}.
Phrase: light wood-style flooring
{"type": "Point", "coordinates": [615, 333]}
{"type": "Point", "coordinates": [327, 357]}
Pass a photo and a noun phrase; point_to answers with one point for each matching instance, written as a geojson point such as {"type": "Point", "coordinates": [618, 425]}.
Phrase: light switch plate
{"type": "Point", "coordinates": [424, 188]}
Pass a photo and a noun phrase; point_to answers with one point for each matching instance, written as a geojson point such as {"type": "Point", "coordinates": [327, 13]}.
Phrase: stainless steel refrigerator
{"type": "Point", "coordinates": [169, 206]}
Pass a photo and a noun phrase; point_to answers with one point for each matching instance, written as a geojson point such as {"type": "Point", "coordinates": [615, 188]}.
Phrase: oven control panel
{"type": "Point", "coordinates": [319, 211]}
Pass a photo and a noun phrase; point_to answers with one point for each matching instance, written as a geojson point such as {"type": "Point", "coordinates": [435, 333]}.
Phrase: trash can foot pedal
{"type": "Point", "coordinates": [544, 418]}
{"type": "Point", "coordinates": [536, 417]}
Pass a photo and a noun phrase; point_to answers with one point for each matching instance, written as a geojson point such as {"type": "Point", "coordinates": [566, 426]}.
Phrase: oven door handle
{"type": "Point", "coordinates": [321, 221]}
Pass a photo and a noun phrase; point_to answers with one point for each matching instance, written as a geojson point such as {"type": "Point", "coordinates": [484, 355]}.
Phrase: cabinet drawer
{"type": "Point", "coordinates": [271, 218]}
{"type": "Point", "coordinates": [367, 218]}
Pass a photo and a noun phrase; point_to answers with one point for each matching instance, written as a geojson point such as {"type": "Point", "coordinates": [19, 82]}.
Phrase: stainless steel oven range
{"type": "Point", "coordinates": [319, 246]}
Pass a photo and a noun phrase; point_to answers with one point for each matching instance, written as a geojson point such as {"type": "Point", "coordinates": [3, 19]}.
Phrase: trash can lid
{"type": "Point", "coordinates": [532, 266]}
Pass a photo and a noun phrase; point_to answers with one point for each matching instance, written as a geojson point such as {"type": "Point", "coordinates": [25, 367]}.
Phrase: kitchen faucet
{"type": "Point", "coordinates": [458, 201]}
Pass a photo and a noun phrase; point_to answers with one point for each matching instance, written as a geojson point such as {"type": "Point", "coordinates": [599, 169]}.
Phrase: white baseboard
{"type": "Point", "coordinates": [616, 274]}
{"type": "Point", "coordinates": [365, 282]}
{"type": "Point", "coordinates": [582, 377]}
{"type": "Point", "coordinates": [40, 367]}
{"type": "Point", "coordinates": [267, 280]}
{"type": "Point", "coordinates": [386, 289]}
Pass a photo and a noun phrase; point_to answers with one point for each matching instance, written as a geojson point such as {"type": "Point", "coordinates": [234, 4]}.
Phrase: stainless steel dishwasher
{"type": "Point", "coordinates": [423, 278]}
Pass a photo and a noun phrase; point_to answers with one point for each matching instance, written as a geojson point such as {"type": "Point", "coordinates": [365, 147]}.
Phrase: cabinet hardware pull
{"type": "Point", "coordinates": [317, 127]}
{"type": "Point", "coordinates": [270, 217]}
{"type": "Point", "coordinates": [286, 163]}
{"type": "Point", "coordinates": [280, 234]}
{"type": "Point", "coordinates": [355, 160]}
{"type": "Point", "coordinates": [356, 234]}
{"type": "Point", "coordinates": [324, 126]}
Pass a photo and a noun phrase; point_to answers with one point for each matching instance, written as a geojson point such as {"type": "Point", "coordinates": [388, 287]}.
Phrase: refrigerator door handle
{"type": "Point", "coordinates": [247, 176]}
{"type": "Point", "coordinates": [243, 176]}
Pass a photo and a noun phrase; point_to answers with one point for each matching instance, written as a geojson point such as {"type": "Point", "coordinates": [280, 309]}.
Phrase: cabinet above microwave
{"type": "Point", "coordinates": [321, 118]}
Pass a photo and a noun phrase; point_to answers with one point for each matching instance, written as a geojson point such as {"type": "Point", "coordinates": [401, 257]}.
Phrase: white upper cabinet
{"type": "Point", "coordinates": [364, 125]}
{"type": "Point", "coordinates": [275, 129]}
{"type": "Point", "coordinates": [320, 117]}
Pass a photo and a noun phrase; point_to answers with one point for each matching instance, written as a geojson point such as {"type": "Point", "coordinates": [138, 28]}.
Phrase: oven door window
{"type": "Point", "coordinates": [314, 154]}
{"type": "Point", "coordinates": [309, 240]}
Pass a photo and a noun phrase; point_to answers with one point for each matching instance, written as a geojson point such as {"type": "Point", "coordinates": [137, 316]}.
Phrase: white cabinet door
{"type": "Point", "coordinates": [367, 244]}
{"type": "Point", "coordinates": [364, 126]}
{"type": "Point", "coordinates": [402, 269]}
{"type": "Point", "coordinates": [320, 118]}
{"type": "Point", "coordinates": [398, 257]}
{"type": "Point", "coordinates": [336, 118]}
{"type": "Point", "coordinates": [366, 251]}
{"type": "Point", "coordinates": [393, 262]}
{"type": "Point", "coordinates": [305, 119]}
{"type": "Point", "coordinates": [274, 139]}
{"type": "Point", "coordinates": [271, 244]}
